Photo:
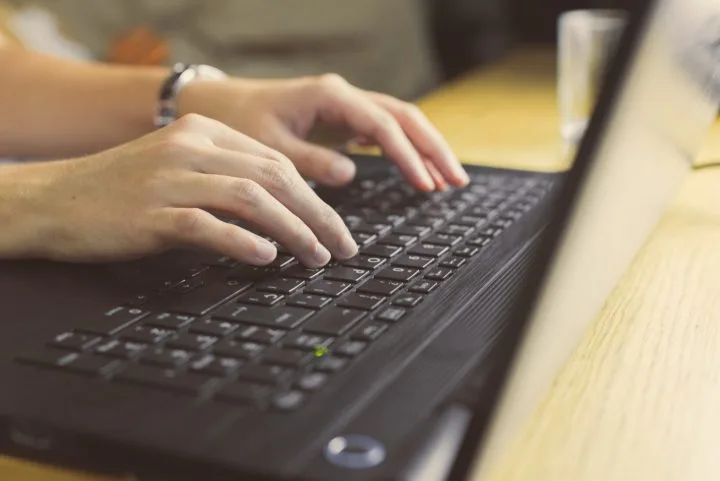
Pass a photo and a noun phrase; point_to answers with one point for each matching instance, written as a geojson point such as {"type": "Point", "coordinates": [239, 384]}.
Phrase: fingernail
{"type": "Point", "coordinates": [265, 251]}
{"type": "Point", "coordinates": [347, 247]}
{"type": "Point", "coordinates": [461, 175]}
{"type": "Point", "coordinates": [321, 256]}
{"type": "Point", "coordinates": [342, 170]}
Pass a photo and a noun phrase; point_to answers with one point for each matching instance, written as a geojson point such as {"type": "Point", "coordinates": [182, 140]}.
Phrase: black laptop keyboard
{"type": "Point", "coordinates": [272, 336]}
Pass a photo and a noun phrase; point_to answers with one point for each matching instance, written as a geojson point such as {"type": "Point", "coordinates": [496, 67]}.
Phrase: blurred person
{"type": "Point", "coordinates": [380, 45]}
{"type": "Point", "coordinates": [239, 147]}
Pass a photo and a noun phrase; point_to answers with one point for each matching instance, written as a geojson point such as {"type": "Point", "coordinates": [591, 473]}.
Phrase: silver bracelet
{"type": "Point", "coordinates": [180, 77]}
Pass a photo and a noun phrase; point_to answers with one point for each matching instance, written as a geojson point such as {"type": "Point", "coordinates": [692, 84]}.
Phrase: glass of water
{"type": "Point", "coordinates": [587, 40]}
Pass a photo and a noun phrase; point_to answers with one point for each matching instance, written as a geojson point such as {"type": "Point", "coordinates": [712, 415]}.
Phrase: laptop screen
{"type": "Point", "coordinates": [659, 101]}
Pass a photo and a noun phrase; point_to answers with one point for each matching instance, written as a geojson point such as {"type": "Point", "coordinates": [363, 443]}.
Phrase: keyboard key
{"type": "Point", "coordinates": [365, 302]}
{"type": "Point", "coordinates": [49, 357]}
{"type": "Point", "coordinates": [398, 240]}
{"type": "Point", "coordinates": [424, 287]}
{"type": "Point", "coordinates": [112, 321]}
{"type": "Point", "coordinates": [281, 285]}
{"type": "Point", "coordinates": [279, 317]}
{"type": "Point", "coordinates": [309, 301]}
{"type": "Point", "coordinates": [301, 272]}
{"type": "Point", "coordinates": [458, 230]}
{"type": "Point", "coordinates": [261, 335]}
{"type": "Point", "coordinates": [442, 212]}
{"type": "Point", "coordinates": [191, 342]}
{"type": "Point", "coordinates": [281, 261]}
{"type": "Point", "coordinates": [238, 349]}
{"type": "Point", "coordinates": [203, 298]}
{"type": "Point", "coordinates": [91, 365]}
{"type": "Point", "coordinates": [162, 378]}
{"type": "Point", "coordinates": [260, 298]}
{"type": "Point", "coordinates": [222, 261]}
{"type": "Point", "coordinates": [444, 240]}
{"type": "Point", "coordinates": [287, 401]}
{"type": "Point", "coordinates": [330, 364]}
{"type": "Point", "coordinates": [414, 261]}
{"type": "Point", "coordinates": [397, 273]}
{"type": "Point", "coordinates": [466, 251]}
{"type": "Point", "coordinates": [502, 223]}
{"type": "Point", "coordinates": [380, 250]}
{"type": "Point", "coordinates": [439, 274]}
{"type": "Point", "coordinates": [491, 232]}
{"type": "Point", "coordinates": [381, 287]}
{"type": "Point", "coordinates": [327, 288]}
{"type": "Point", "coordinates": [428, 250]}
{"type": "Point", "coordinates": [250, 274]}
{"type": "Point", "coordinates": [395, 219]}
{"type": "Point", "coordinates": [334, 321]}
{"type": "Point", "coordinates": [480, 241]}
{"type": "Point", "coordinates": [377, 229]}
{"type": "Point", "coordinates": [213, 327]}
{"type": "Point", "coordinates": [350, 349]}
{"type": "Point", "coordinates": [346, 274]}
{"type": "Point", "coordinates": [363, 239]}
{"type": "Point", "coordinates": [286, 357]}
{"type": "Point", "coordinates": [211, 365]}
{"type": "Point", "coordinates": [169, 320]}
{"type": "Point", "coordinates": [75, 341]}
{"type": "Point", "coordinates": [365, 262]}
{"type": "Point", "coordinates": [453, 262]}
{"type": "Point", "coordinates": [369, 332]}
{"type": "Point", "coordinates": [307, 342]}
{"type": "Point", "coordinates": [263, 374]}
{"type": "Point", "coordinates": [428, 221]}
{"type": "Point", "coordinates": [412, 230]}
{"type": "Point", "coordinates": [408, 300]}
{"type": "Point", "coordinates": [120, 349]}
{"type": "Point", "coordinates": [166, 357]}
{"type": "Point", "coordinates": [311, 381]}
{"type": "Point", "coordinates": [146, 334]}
{"type": "Point", "coordinates": [470, 220]}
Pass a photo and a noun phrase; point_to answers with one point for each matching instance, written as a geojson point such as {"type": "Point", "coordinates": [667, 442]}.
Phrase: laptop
{"type": "Point", "coordinates": [418, 360]}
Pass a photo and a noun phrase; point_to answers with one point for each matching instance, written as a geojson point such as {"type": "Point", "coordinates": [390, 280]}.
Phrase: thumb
{"type": "Point", "coordinates": [319, 163]}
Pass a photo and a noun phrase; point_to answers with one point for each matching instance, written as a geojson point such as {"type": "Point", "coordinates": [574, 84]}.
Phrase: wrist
{"type": "Point", "coordinates": [182, 78]}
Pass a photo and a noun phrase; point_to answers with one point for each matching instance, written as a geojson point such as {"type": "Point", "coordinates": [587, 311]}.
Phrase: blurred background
{"type": "Point", "coordinates": [401, 47]}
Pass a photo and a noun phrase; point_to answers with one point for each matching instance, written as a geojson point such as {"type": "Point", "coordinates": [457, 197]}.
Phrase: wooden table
{"type": "Point", "coordinates": [640, 398]}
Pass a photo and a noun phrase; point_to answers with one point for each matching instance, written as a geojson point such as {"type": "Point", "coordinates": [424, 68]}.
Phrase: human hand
{"type": "Point", "coordinates": [281, 114]}
{"type": "Point", "coordinates": [155, 193]}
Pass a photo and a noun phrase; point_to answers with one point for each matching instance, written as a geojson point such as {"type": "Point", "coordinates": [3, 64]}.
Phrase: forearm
{"type": "Point", "coordinates": [57, 108]}
{"type": "Point", "coordinates": [23, 223]}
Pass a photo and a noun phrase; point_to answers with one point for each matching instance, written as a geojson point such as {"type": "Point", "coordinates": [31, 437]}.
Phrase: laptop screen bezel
{"type": "Point", "coordinates": [509, 343]}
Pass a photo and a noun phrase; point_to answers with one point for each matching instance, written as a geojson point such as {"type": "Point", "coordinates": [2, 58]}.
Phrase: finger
{"type": "Point", "coordinates": [440, 183]}
{"type": "Point", "coordinates": [247, 200]}
{"type": "Point", "coordinates": [340, 102]}
{"type": "Point", "coordinates": [282, 180]}
{"type": "Point", "coordinates": [197, 228]}
{"type": "Point", "coordinates": [426, 138]}
{"type": "Point", "coordinates": [318, 163]}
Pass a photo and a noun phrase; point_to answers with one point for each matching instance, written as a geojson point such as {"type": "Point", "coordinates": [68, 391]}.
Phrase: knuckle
{"type": "Point", "coordinates": [188, 222]}
{"type": "Point", "coordinates": [385, 123]}
{"type": "Point", "coordinates": [412, 111]}
{"type": "Point", "coordinates": [277, 176]}
{"type": "Point", "coordinates": [248, 192]}
{"type": "Point", "coordinates": [190, 122]}
{"type": "Point", "coordinates": [331, 81]}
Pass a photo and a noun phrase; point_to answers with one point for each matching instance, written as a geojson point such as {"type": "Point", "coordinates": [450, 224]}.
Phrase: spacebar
{"type": "Point", "coordinates": [201, 300]}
